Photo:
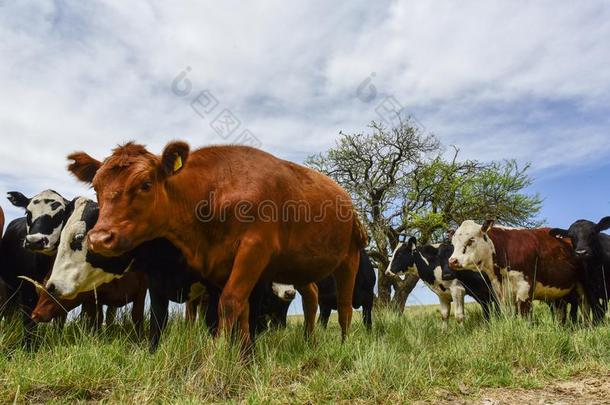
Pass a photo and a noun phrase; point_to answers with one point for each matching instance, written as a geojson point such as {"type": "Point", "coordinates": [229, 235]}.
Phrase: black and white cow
{"type": "Point", "coordinates": [269, 303]}
{"type": "Point", "coordinates": [46, 214]}
{"type": "Point", "coordinates": [363, 296]}
{"type": "Point", "coordinates": [424, 262]}
{"type": "Point", "coordinates": [592, 247]}
{"type": "Point", "coordinates": [78, 269]}
{"type": "Point", "coordinates": [16, 261]}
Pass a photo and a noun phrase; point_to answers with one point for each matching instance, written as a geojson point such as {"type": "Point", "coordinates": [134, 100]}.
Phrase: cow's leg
{"type": "Point", "coordinates": [309, 295]}
{"type": "Point", "coordinates": [524, 291]}
{"type": "Point", "coordinates": [485, 309]}
{"type": "Point", "coordinates": [345, 276]}
{"type": "Point", "coordinates": [190, 313]}
{"type": "Point", "coordinates": [445, 301]}
{"type": "Point", "coordinates": [137, 312]}
{"type": "Point", "coordinates": [457, 294]}
{"type": "Point", "coordinates": [211, 311]}
{"type": "Point", "coordinates": [89, 314]}
{"type": "Point", "coordinates": [250, 262]}
{"type": "Point", "coordinates": [159, 305]}
{"type": "Point", "coordinates": [28, 302]}
{"type": "Point", "coordinates": [110, 315]}
{"type": "Point", "coordinates": [99, 317]}
{"type": "Point", "coordinates": [367, 313]}
{"type": "Point", "coordinates": [325, 311]}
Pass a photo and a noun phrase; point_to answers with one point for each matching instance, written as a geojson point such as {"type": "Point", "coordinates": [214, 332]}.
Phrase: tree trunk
{"type": "Point", "coordinates": [384, 288]}
{"type": "Point", "coordinates": [402, 289]}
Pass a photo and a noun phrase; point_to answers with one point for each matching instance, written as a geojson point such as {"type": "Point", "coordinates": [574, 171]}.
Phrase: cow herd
{"type": "Point", "coordinates": [567, 269]}
{"type": "Point", "coordinates": [234, 232]}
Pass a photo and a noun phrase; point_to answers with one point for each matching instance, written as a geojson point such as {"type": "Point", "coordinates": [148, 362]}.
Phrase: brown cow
{"type": "Point", "coordinates": [131, 288]}
{"type": "Point", "coordinates": [238, 214]}
{"type": "Point", "coordinates": [535, 264]}
{"type": "Point", "coordinates": [1, 222]}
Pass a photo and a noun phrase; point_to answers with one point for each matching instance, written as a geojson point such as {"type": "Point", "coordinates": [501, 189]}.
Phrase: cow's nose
{"type": "Point", "coordinates": [453, 263]}
{"type": "Point", "coordinates": [50, 288]}
{"type": "Point", "coordinates": [101, 240]}
{"type": "Point", "coordinates": [290, 295]}
{"type": "Point", "coordinates": [35, 316]}
{"type": "Point", "coordinates": [35, 244]}
{"type": "Point", "coordinates": [581, 252]}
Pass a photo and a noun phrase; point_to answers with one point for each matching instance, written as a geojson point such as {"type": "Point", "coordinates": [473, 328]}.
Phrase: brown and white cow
{"type": "Point", "coordinates": [522, 264]}
{"type": "Point", "coordinates": [131, 288]}
{"type": "Point", "coordinates": [238, 215]}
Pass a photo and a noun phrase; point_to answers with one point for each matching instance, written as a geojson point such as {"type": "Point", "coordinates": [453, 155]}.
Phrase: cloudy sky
{"type": "Point", "coordinates": [503, 80]}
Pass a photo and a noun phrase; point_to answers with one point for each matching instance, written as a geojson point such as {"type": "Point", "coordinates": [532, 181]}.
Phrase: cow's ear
{"type": "Point", "coordinates": [558, 233]}
{"type": "Point", "coordinates": [83, 166]}
{"type": "Point", "coordinates": [18, 199]}
{"type": "Point", "coordinates": [174, 157]}
{"type": "Point", "coordinates": [487, 225]}
{"type": "Point", "coordinates": [603, 224]}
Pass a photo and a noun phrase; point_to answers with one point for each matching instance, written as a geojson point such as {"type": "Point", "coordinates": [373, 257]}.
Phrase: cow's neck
{"type": "Point", "coordinates": [424, 269]}
{"type": "Point", "coordinates": [494, 266]}
{"type": "Point", "coordinates": [185, 229]}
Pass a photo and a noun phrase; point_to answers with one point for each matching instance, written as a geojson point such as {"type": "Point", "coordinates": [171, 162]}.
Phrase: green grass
{"type": "Point", "coordinates": [405, 358]}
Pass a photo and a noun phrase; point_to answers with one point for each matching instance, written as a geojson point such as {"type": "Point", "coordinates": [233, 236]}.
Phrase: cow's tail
{"type": "Point", "coordinates": [359, 233]}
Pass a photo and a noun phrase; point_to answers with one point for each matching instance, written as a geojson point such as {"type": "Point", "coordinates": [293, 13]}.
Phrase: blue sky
{"type": "Point", "coordinates": [497, 79]}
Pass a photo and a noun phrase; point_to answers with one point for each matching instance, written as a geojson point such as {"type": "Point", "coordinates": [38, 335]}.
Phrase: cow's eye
{"type": "Point", "coordinates": [146, 186]}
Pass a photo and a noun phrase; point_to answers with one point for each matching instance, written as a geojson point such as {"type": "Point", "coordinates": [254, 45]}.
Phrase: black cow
{"type": "Point", "coordinates": [17, 261]}
{"type": "Point", "coordinates": [593, 248]}
{"type": "Point", "coordinates": [364, 292]}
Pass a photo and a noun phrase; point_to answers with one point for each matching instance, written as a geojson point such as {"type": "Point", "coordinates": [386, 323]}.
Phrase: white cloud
{"type": "Point", "coordinates": [501, 79]}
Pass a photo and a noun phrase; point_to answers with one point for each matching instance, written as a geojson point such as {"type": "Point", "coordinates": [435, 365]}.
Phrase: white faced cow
{"type": "Point", "coordinates": [46, 213]}
{"type": "Point", "coordinates": [522, 264]}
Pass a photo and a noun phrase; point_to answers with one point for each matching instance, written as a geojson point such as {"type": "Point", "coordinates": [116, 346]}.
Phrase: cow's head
{"type": "Point", "coordinates": [472, 247]}
{"type": "Point", "coordinates": [48, 307]}
{"type": "Point", "coordinates": [45, 216]}
{"type": "Point", "coordinates": [133, 194]}
{"type": "Point", "coordinates": [584, 235]}
{"type": "Point", "coordinates": [403, 258]}
{"type": "Point", "coordinates": [76, 269]}
{"type": "Point", "coordinates": [285, 292]}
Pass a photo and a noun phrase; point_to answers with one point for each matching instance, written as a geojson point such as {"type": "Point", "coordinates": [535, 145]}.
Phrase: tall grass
{"type": "Point", "coordinates": [404, 358]}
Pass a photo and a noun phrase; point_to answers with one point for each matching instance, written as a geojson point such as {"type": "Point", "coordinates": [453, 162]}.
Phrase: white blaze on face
{"type": "Point", "coordinates": [72, 274]}
{"type": "Point", "coordinates": [285, 292]}
{"type": "Point", "coordinates": [473, 249]}
{"type": "Point", "coordinates": [45, 207]}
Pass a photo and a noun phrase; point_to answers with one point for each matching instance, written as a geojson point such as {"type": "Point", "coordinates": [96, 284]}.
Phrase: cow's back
{"type": "Point", "coordinates": [536, 254]}
{"type": "Point", "coordinates": [308, 218]}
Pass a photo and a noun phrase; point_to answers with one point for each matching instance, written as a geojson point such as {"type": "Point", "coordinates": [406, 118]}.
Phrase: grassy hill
{"type": "Point", "coordinates": [406, 358]}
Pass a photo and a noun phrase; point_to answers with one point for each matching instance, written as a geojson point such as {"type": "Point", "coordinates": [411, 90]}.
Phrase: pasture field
{"type": "Point", "coordinates": [406, 359]}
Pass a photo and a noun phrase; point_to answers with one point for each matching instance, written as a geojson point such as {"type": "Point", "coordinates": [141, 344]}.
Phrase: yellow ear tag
{"type": "Point", "coordinates": [178, 163]}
